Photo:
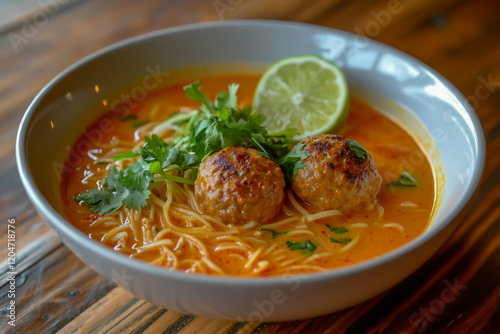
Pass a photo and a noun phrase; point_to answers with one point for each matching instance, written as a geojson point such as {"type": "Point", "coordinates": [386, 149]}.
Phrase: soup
{"type": "Point", "coordinates": [171, 231]}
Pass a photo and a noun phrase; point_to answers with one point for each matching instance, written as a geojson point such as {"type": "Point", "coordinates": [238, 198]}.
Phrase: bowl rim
{"type": "Point", "coordinates": [65, 227]}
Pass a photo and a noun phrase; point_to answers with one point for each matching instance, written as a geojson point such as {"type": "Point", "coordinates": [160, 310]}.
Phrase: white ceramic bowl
{"type": "Point", "coordinates": [386, 78]}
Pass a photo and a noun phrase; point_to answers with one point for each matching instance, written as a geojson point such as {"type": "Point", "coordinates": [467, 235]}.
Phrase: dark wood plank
{"type": "Point", "coordinates": [52, 292]}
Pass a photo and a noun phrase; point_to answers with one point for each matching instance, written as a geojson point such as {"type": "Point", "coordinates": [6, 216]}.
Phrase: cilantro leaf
{"type": "Point", "coordinates": [307, 247]}
{"type": "Point", "coordinates": [342, 241]}
{"type": "Point", "coordinates": [154, 149]}
{"type": "Point", "coordinates": [193, 92]}
{"type": "Point", "coordinates": [180, 158]}
{"type": "Point", "coordinates": [100, 201]}
{"type": "Point", "coordinates": [139, 123]}
{"type": "Point", "coordinates": [292, 162]}
{"type": "Point", "coordinates": [223, 114]}
{"type": "Point", "coordinates": [126, 155]}
{"type": "Point", "coordinates": [137, 176]}
{"type": "Point", "coordinates": [227, 99]}
{"type": "Point", "coordinates": [136, 198]}
{"type": "Point", "coordinates": [232, 100]}
{"type": "Point", "coordinates": [274, 233]}
{"type": "Point", "coordinates": [337, 230]}
{"type": "Point", "coordinates": [136, 179]}
{"type": "Point", "coordinates": [405, 181]}
{"type": "Point", "coordinates": [110, 183]}
{"type": "Point", "coordinates": [129, 187]}
{"type": "Point", "coordinates": [108, 200]}
{"type": "Point", "coordinates": [358, 150]}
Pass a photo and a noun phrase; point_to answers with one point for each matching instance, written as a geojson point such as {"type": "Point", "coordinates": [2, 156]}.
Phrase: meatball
{"type": "Point", "coordinates": [334, 177]}
{"type": "Point", "coordinates": [238, 185]}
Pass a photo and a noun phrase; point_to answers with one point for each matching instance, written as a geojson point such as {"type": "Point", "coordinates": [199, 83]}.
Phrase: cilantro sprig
{"type": "Point", "coordinates": [197, 134]}
{"type": "Point", "coordinates": [129, 187]}
{"type": "Point", "coordinates": [338, 230]}
{"type": "Point", "coordinates": [306, 247]}
{"type": "Point", "coordinates": [342, 241]}
{"type": "Point", "coordinates": [291, 162]}
{"type": "Point", "coordinates": [274, 233]}
{"type": "Point", "coordinates": [358, 150]}
{"type": "Point", "coordinates": [405, 180]}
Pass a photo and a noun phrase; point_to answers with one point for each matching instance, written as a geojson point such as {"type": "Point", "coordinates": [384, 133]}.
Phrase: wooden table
{"type": "Point", "coordinates": [56, 292]}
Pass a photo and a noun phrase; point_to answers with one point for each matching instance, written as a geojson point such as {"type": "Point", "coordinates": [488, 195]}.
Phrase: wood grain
{"type": "Point", "coordinates": [456, 291]}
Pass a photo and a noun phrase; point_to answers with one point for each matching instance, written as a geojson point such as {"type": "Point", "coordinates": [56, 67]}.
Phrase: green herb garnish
{"type": "Point", "coordinates": [101, 163]}
{"type": "Point", "coordinates": [358, 150]}
{"type": "Point", "coordinates": [405, 180]}
{"type": "Point", "coordinates": [139, 124]}
{"type": "Point", "coordinates": [307, 247]}
{"type": "Point", "coordinates": [342, 241]}
{"type": "Point", "coordinates": [291, 163]}
{"type": "Point", "coordinates": [129, 117]}
{"type": "Point", "coordinates": [275, 233]}
{"type": "Point", "coordinates": [230, 126]}
{"type": "Point", "coordinates": [337, 230]}
{"type": "Point", "coordinates": [126, 155]}
{"type": "Point", "coordinates": [129, 187]}
{"type": "Point", "coordinates": [197, 134]}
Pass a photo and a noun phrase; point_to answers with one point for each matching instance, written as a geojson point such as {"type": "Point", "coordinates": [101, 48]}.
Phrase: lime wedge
{"type": "Point", "coordinates": [306, 92]}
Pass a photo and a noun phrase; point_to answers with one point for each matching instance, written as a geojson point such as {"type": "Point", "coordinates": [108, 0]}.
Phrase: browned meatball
{"type": "Point", "coordinates": [334, 177]}
{"type": "Point", "coordinates": [239, 185]}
